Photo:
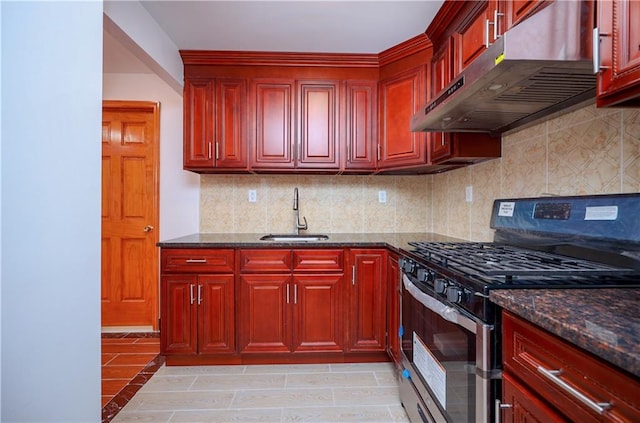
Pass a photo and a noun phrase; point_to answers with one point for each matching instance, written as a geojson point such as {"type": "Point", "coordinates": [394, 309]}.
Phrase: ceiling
{"type": "Point", "coordinates": [328, 26]}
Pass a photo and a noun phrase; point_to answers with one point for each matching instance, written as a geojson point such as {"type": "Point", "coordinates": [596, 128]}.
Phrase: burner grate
{"type": "Point", "coordinates": [492, 259]}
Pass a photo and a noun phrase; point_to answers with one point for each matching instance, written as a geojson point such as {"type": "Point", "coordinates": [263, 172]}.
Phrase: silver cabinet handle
{"type": "Point", "coordinates": [553, 376]}
{"type": "Point", "coordinates": [353, 275]}
{"type": "Point", "coordinates": [196, 260]}
{"type": "Point", "coordinates": [217, 150]}
{"type": "Point", "coordinates": [486, 33]}
{"type": "Point", "coordinates": [496, 14]}
{"type": "Point", "coordinates": [287, 293]}
{"type": "Point", "coordinates": [209, 152]}
{"type": "Point", "coordinates": [199, 294]}
{"type": "Point", "coordinates": [597, 67]}
{"type": "Point", "coordinates": [191, 296]}
{"type": "Point", "coordinates": [498, 410]}
{"type": "Point", "coordinates": [295, 293]}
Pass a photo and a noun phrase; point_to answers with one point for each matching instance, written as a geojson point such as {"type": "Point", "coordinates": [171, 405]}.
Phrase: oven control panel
{"type": "Point", "coordinates": [438, 285]}
{"type": "Point", "coordinates": [601, 217]}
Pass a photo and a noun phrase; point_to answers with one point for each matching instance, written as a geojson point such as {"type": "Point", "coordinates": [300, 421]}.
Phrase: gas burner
{"type": "Point", "coordinates": [496, 260]}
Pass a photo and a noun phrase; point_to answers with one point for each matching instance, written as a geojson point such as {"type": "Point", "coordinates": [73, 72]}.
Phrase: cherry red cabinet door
{"type": "Point", "coordinates": [317, 125]}
{"type": "Point", "coordinates": [523, 406]}
{"type": "Point", "coordinates": [401, 97]}
{"type": "Point", "coordinates": [361, 117]}
{"type": "Point", "coordinates": [619, 76]}
{"type": "Point", "coordinates": [367, 300]}
{"type": "Point", "coordinates": [272, 103]}
{"type": "Point", "coordinates": [265, 313]}
{"type": "Point", "coordinates": [216, 328]}
{"type": "Point", "coordinates": [230, 148]}
{"type": "Point", "coordinates": [199, 117]}
{"type": "Point", "coordinates": [178, 315]}
{"type": "Point", "coordinates": [215, 124]}
{"type": "Point", "coordinates": [317, 313]}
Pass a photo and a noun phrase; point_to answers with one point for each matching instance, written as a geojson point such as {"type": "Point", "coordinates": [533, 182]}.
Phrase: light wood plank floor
{"type": "Point", "coordinates": [268, 393]}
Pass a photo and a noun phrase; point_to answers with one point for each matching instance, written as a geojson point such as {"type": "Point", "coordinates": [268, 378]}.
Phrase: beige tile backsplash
{"type": "Point", "coordinates": [588, 151]}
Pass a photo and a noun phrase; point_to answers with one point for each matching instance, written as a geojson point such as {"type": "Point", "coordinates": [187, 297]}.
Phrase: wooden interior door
{"type": "Point", "coordinates": [130, 133]}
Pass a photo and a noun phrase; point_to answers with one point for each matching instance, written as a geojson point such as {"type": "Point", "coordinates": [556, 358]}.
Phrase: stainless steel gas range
{"type": "Point", "coordinates": [450, 331]}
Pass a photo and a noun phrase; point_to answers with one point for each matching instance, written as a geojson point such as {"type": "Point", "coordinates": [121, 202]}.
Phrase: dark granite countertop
{"type": "Point", "coordinates": [395, 241]}
{"type": "Point", "coordinates": [605, 322]}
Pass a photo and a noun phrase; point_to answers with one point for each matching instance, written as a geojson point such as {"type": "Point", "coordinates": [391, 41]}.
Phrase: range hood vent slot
{"type": "Point", "coordinates": [545, 69]}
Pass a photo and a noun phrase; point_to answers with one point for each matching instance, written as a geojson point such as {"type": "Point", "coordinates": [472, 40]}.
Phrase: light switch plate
{"type": "Point", "coordinates": [468, 194]}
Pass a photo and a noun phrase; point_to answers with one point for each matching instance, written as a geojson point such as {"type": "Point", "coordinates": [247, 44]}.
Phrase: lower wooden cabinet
{"type": "Point", "coordinates": [367, 300]}
{"type": "Point", "coordinates": [224, 306]}
{"type": "Point", "coordinates": [547, 379]}
{"type": "Point", "coordinates": [197, 312]}
{"type": "Point", "coordinates": [297, 311]}
{"type": "Point", "coordinates": [197, 315]}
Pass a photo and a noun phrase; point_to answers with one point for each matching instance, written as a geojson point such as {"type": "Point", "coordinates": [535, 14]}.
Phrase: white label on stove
{"type": "Point", "coordinates": [431, 370]}
{"type": "Point", "coordinates": [506, 208]}
{"type": "Point", "coordinates": [601, 213]}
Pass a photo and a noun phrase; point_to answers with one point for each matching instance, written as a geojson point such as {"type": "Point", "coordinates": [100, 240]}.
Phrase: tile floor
{"type": "Point", "coordinates": [268, 393]}
{"type": "Point", "coordinates": [128, 362]}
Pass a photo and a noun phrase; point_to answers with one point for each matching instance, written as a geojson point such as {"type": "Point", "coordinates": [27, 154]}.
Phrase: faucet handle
{"type": "Point", "coordinates": [303, 226]}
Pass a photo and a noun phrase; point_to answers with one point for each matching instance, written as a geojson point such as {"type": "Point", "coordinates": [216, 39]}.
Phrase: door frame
{"type": "Point", "coordinates": [153, 107]}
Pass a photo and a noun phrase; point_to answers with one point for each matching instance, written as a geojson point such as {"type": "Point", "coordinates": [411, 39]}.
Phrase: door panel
{"type": "Point", "coordinates": [317, 313]}
{"type": "Point", "coordinates": [129, 214]}
{"type": "Point", "coordinates": [265, 314]}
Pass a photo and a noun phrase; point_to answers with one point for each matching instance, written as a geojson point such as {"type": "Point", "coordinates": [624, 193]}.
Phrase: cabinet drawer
{"type": "Point", "coordinates": [318, 260]}
{"type": "Point", "coordinates": [267, 260]}
{"type": "Point", "coordinates": [197, 261]}
{"type": "Point", "coordinates": [534, 356]}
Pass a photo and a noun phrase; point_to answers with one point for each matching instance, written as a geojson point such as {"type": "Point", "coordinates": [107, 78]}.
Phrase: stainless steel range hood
{"type": "Point", "coordinates": [536, 69]}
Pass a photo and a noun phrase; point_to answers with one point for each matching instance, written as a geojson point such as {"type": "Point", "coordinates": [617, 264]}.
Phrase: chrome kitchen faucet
{"type": "Point", "coordinates": [296, 219]}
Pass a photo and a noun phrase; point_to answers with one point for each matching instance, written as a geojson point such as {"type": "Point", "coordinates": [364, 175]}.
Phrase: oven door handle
{"type": "Point", "coordinates": [441, 309]}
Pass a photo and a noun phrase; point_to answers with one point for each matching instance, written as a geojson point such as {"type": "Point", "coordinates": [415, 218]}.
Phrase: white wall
{"type": "Point", "coordinates": [50, 283]}
{"type": "Point", "coordinates": [134, 27]}
{"type": "Point", "coordinates": [179, 189]}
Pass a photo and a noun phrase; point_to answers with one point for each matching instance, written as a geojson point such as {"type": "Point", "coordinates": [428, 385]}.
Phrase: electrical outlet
{"type": "Point", "coordinates": [468, 193]}
{"type": "Point", "coordinates": [382, 196]}
{"type": "Point", "coordinates": [253, 196]}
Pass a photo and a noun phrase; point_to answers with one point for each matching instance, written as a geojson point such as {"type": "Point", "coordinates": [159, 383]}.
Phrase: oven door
{"type": "Point", "coordinates": [445, 357]}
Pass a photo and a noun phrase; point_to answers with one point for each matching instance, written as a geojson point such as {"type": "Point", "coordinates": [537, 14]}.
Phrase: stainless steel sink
{"type": "Point", "coordinates": [294, 237]}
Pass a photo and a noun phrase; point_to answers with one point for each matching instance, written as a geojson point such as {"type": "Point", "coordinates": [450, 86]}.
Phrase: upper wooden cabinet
{"type": "Point", "coordinates": [215, 124]}
{"type": "Point", "coordinates": [295, 124]}
{"type": "Point", "coordinates": [400, 97]}
{"type": "Point", "coordinates": [317, 140]}
{"type": "Point", "coordinates": [619, 75]}
{"type": "Point", "coordinates": [478, 30]}
{"type": "Point", "coordinates": [361, 98]}
{"type": "Point", "coordinates": [317, 113]}
{"type": "Point", "coordinates": [272, 106]}
{"type": "Point", "coordinates": [470, 27]}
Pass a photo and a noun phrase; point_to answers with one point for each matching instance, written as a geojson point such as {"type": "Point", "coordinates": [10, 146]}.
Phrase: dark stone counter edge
{"type": "Point", "coordinates": [618, 357]}
{"type": "Point", "coordinates": [396, 242]}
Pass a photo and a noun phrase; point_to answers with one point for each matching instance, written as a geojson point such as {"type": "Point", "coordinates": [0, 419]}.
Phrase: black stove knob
{"type": "Point", "coordinates": [440, 286]}
{"type": "Point", "coordinates": [454, 294]}
{"type": "Point", "coordinates": [424, 275]}
{"type": "Point", "coordinates": [408, 266]}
